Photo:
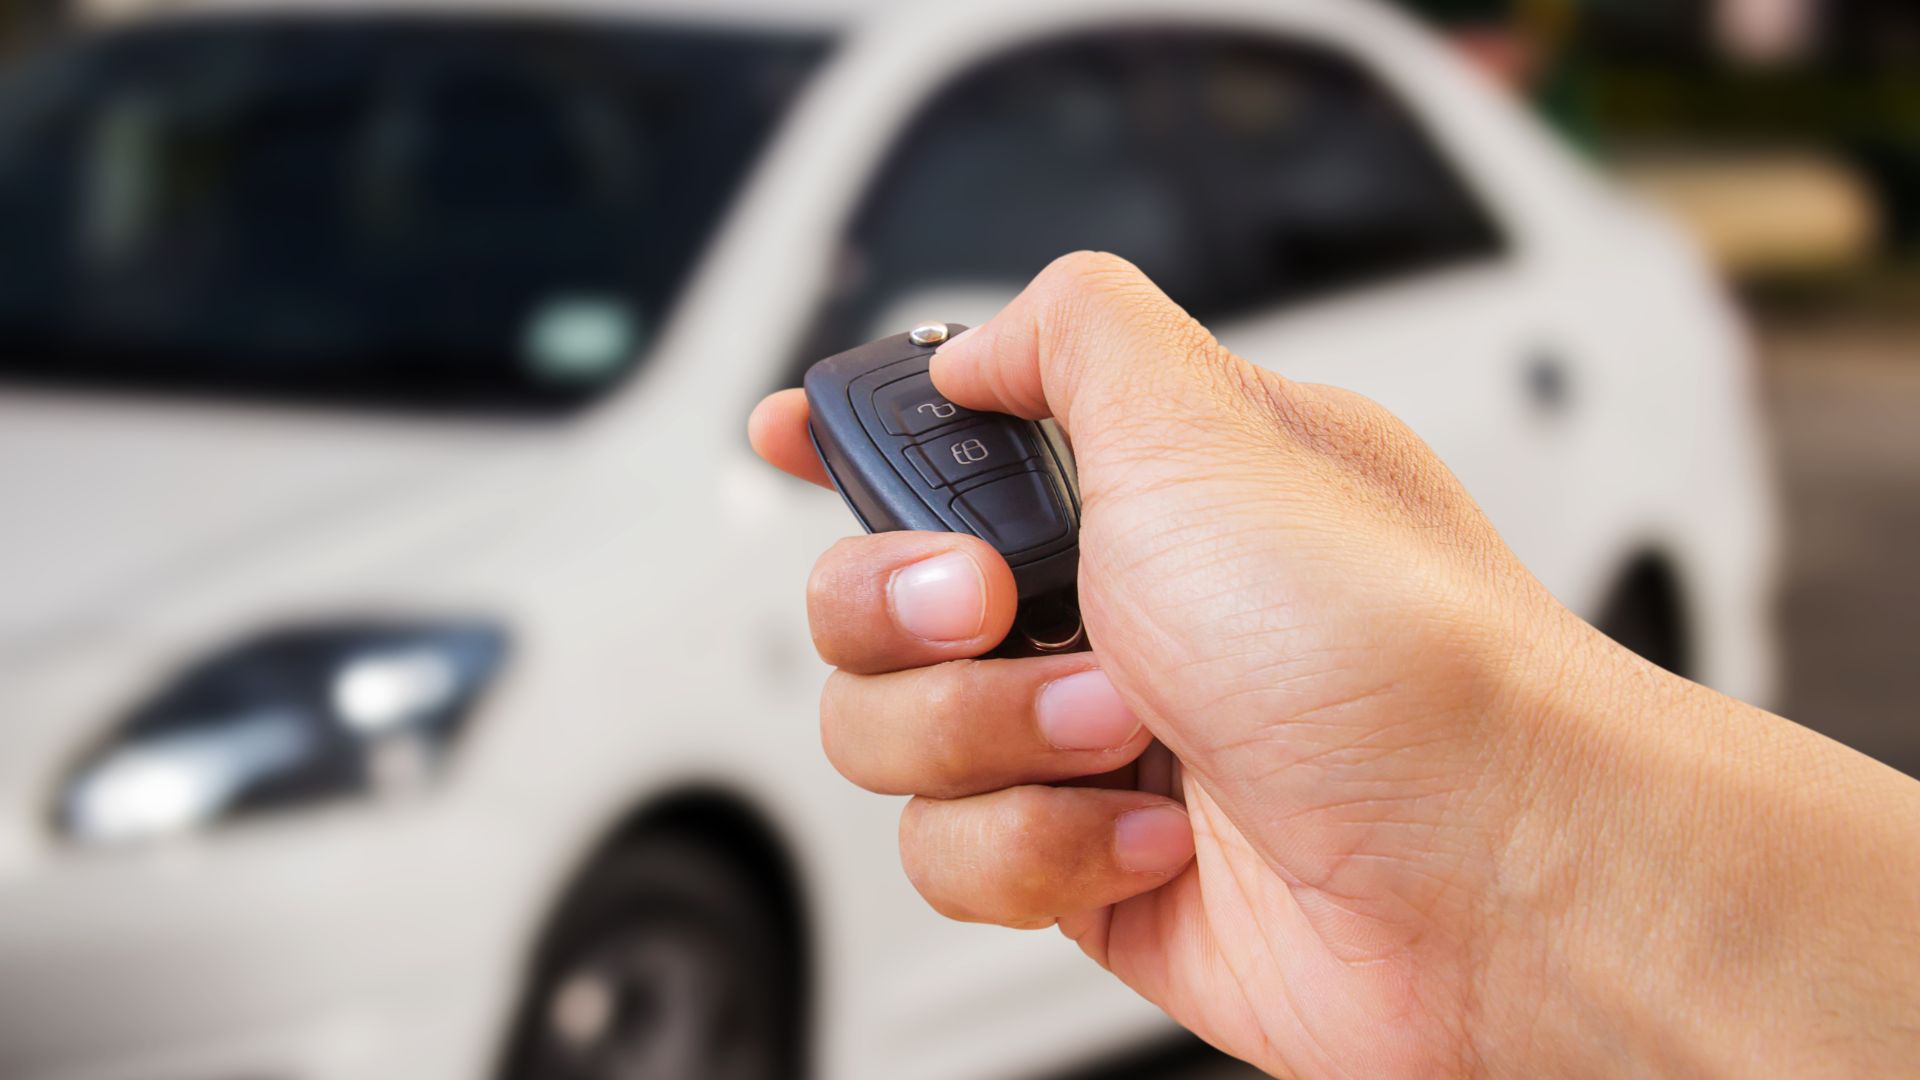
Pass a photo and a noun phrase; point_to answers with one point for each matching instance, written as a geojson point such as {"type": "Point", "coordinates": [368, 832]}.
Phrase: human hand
{"type": "Point", "coordinates": [1422, 818]}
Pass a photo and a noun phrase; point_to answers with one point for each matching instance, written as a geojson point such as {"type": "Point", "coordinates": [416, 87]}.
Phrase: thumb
{"type": "Point", "coordinates": [1087, 342]}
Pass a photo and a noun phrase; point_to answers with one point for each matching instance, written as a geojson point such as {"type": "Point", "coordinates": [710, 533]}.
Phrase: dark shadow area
{"type": "Point", "coordinates": [1179, 1058]}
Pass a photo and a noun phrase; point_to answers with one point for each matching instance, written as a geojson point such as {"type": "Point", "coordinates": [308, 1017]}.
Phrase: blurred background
{"type": "Point", "coordinates": [161, 235]}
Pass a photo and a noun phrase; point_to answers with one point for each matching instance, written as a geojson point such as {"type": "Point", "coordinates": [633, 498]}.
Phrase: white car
{"type": "Point", "coordinates": [403, 670]}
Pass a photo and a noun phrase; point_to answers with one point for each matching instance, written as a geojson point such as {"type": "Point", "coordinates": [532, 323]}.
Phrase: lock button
{"type": "Point", "coordinates": [967, 452]}
{"type": "Point", "coordinates": [911, 406]}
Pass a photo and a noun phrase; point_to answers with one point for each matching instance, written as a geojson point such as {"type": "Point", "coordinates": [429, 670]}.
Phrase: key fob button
{"type": "Point", "coordinates": [911, 406]}
{"type": "Point", "coordinates": [968, 452]}
{"type": "Point", "coordinates": [1014, 514]}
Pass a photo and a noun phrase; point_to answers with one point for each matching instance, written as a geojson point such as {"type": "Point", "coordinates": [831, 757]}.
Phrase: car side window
{"type": "Point", "coordinates": [1317, 180]}
{"type": "Point", "coordinates": [1238, 173]}
{"type": "Point", "coordinates": [1070, 144]}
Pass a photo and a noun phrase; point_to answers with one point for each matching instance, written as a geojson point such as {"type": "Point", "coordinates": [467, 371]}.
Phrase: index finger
{"type": "Point", "coordinates": [1085, 342]}
{"type": "Point", "coordinates": [778, 431]}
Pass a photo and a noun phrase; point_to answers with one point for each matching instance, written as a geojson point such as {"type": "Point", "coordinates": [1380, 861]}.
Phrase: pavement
{"type": "Point", "coordinates": [1843, 399]}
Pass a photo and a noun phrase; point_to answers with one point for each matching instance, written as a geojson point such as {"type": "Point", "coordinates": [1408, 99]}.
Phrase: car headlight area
{"type": "Point", "coordinates": [293, 716]}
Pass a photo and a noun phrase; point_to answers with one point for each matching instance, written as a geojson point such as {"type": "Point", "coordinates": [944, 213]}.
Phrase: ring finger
{"type": "Point", "coordinates": [1027, 856]}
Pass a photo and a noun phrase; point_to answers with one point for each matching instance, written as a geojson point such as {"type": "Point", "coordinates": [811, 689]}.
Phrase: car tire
{"type": "Point", "coordinates": [1647, 615]}
{"type": "Point", "coordinates": [665, 963]}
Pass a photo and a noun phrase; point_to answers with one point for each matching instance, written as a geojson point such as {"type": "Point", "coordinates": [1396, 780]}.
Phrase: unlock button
{"type": "Point", "coordinates": [954, 456]}
{"type": "Point", "coordinates": [911, 405]}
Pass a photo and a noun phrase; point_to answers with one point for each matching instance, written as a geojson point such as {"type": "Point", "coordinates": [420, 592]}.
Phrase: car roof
{"type": "Point", "coordinates": [818, 15]}
{"type": "Point", "coordinates": [772, 14]}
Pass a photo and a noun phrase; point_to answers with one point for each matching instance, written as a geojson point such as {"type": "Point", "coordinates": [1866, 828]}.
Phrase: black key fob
{"type": "Point", "coordinates": [906, 458]}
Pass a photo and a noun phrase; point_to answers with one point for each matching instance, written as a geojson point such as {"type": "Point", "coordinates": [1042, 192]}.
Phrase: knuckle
{"type": "Point", "coordinates": [1376, 450]}
{"type": "Point", "coordinates": [1092, 272]}
{"type": "Point", "coordinates": [1091, 288]}
{"type": "Point", "coordinates": [819, 586]}
{"type": "Point", "coordinates": [1339, 419]}
{"type": "Point", "coordinates": [1023, 816]}
{"type": "Point", "coordinates": [1029, 871]}
{"type": "Point", "coordinates": [834, 716]}
{"type": "Point", "coordinates": [950, 758]}
{"type": "Point", "coordinates": [985, 867]}
{"type": "Point", "coordinates": [1098, 305]}
{"type": "Point", "coordinates": [827, 583]}
{"type": "Point", "coordinates": [843, 593]}
{"type": "Point", "coordinates": [1366, 435]}
{"type": "Point", "coordinates": [919, 853]}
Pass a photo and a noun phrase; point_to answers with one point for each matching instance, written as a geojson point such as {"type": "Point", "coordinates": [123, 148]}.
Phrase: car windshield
{"type": "Point", "coordinates": [429, 212]}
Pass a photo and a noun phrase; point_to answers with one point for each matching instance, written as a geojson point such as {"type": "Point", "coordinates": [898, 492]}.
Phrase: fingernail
{"type": "Point", "coordinates": [1157, 840]}
{"type": "Point", "coordinates": [1084, 712]}
{"type": "Point", "coordinates": [939, 599]}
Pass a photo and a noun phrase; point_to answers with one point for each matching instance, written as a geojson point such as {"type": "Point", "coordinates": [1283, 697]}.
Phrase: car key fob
{"type": "Point", "coordinates": [905, 457]}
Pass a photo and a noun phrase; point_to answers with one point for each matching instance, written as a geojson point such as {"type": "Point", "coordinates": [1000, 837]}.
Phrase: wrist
{"type": "Point", "coordinates": [1690, 884]}
{"type": "Point", "coordinates": [1567, 987]}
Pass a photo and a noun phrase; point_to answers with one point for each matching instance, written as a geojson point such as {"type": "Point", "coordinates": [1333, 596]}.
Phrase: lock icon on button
{"type": "Point", "coordinates": [970, 451]}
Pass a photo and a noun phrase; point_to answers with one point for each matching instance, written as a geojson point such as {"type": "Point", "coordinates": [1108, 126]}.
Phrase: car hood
{"type": "Point", "coordinates": [109, 506]}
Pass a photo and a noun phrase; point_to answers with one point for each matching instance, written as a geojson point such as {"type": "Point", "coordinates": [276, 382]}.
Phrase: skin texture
{"type": "Point", "coordinates": [1390, 809]}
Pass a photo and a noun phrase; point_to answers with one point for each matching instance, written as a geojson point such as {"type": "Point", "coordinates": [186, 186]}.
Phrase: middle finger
{"type": "Point", "coordinates": [971, 726]}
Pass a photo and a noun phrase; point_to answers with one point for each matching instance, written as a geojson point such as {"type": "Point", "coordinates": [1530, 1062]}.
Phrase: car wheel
{"type": "Point", "coordinates": [1647, 615]}
{"type": "Point", "coordinates": [665, 964]}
